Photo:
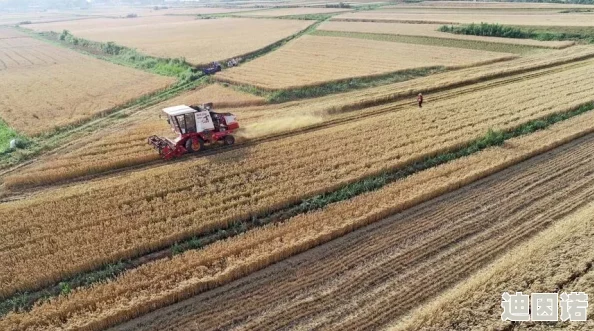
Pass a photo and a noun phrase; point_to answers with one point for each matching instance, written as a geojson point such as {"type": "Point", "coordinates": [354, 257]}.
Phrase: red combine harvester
{"type": "Point", "coordinates": [195, 126]}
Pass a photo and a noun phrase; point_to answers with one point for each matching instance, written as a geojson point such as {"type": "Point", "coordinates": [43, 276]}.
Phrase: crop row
{"type": "Point", "coordinates": [60, 233]}
{"type": "Point", "coordinates": [166, 281]}
{"type": "Point", "coordinates": [119, 148]}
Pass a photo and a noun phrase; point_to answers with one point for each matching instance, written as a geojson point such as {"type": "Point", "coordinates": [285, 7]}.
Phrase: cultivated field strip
{"type": "Point", "coordinates": [314, 60]}
{"type": "Point", "coordinates": [167, 281]}
{"type": "Point", "coordinates": [558, 259]}
{"type": "Point", "coordinates": [125, 146]}
{"type": "Point", "coordinates": [130, 215]}
{"type": "Point", "coordinates": [430, 30]}
{"type": "Point", "coordinates": [368, 278]}
{"type": "Point", "coordinates": [278, 12]}
{"type": "Point", "coordinates": [23, 51]}
{"type": "Point", "coordinates": [197, 41]}
{"type": "Point", "coordinates": [469, 16]}
{"type": "Point", "coordinates": [81, 86]}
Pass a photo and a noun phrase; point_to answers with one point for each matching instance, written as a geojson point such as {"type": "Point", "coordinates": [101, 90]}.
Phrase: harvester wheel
{"type": "Point", "coordinates": [229, 140]}
{"type": "Point", "coordinates": [194, 145]}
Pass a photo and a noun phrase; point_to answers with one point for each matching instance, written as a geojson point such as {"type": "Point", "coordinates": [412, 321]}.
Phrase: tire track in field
{"type": "Point", "coordinates": [372, 276]}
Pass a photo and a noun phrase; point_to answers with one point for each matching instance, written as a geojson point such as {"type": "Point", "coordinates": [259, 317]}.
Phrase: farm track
{"type": "Point", "coordinates": [442, 94]}
{"type": "Point", "coordinates": [370, 277]}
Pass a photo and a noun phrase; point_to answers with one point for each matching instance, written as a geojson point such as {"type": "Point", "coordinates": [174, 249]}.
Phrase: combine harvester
{"type": "Point", "coordinates": [195, 126]}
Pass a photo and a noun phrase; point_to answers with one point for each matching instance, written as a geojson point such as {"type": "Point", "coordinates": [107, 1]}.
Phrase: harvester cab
{"type": "Point", "coordinates": [195, 126]}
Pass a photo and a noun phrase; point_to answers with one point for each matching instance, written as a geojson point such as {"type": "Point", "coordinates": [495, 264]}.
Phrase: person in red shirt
{"type": "Point", "coordinates": [420, 100]}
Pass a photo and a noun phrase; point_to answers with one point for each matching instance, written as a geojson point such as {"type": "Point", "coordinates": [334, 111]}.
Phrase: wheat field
{"type": "Point", "coordinates": [43, 87]}
{"type": "Point", "coordinates": [313, 60]}
{"type": "Point", "coordinates": [166, 281]}
{"type": "Point", "coordinates": [198, 41]}
{"type": "Point", "coordinates": [430, 30]}
{"type": "Point", "coordinates": [126, 145]}
{"type": "Point", "coordinates": [146, 210]}
{"type": "Point", "coordinates": [449, 17]}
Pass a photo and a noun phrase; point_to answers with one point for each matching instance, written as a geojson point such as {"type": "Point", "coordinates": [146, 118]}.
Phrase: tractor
{"type": "Point", "coordinates": [195, 127]}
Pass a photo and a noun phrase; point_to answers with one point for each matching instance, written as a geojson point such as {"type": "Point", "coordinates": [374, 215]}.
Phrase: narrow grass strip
{"type": "Point", "coordinates": [25, 301]}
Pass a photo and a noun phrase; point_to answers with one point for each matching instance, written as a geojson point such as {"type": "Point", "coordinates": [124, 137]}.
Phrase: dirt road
{"type": "Point", "coordinates": [372, 276]}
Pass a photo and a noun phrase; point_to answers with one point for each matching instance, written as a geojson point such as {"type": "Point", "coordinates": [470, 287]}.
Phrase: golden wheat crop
{"type": "Point", "coordinates": [470, 16]}
{"type": "Point", "coordinates": [125, 145]}
{"type": "Point", "coordinates": [198, 41]}
{"type": "Point", "coordinates": [63, 232]}
{"type": "Point", "coordinates": [430, 30]}
{"type": "Point", "coordinates": [163, 282]}
{"type": "Point", "coordinates": [313, 60]}
{"type": "Point", "coordinates": [43, 86]}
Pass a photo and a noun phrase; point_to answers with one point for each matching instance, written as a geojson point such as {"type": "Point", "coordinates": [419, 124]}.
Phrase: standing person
{"type": "Point", "coordinates": [420, 100]}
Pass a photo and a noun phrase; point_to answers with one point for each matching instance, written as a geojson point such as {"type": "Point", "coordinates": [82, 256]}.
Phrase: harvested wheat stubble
{"type": "Point", "coordinates": [43, 87]}
{"type": "Point", "coordinates": [127, 146]}
{"type": "Point", "coordinates": [481, 5]}
{"type": "Point", "coordinates": [23, 52]}
{"type": "Point", "coordinates": [198, 41]}
{"type": "Point", "coordinates": [293, 11]}
{"type": "Point", "coordinates": [6, 33]}
{"type": "Point", "coordinates": [101, 24]}
{"type": "Point", "coordinates": [18, 18]}
{"type": "Point", "coordinates": [354, 285]}
{"type": "Point", "coordinates": [122, 12]}
{"type": "Point", "coordinates": [313, 60]}
{"type": "Point", "coordinates": [557, 260]}
{"type": "Point", "coordinates": [322, 283]}
{"type": "Point", "coordinates": [85, 226]}
{"type": "Point", "coordinates": [430, 30]}
{"type": "Point", "coordinates": [447, 17]}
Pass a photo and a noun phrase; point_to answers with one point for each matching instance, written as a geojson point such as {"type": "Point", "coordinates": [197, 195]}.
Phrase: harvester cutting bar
{"type": "Point", "coordinates": [167, 149]}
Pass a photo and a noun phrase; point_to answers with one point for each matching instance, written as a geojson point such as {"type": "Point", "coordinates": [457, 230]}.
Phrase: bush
{"type": "Point", "coordinates": [487, 30]}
